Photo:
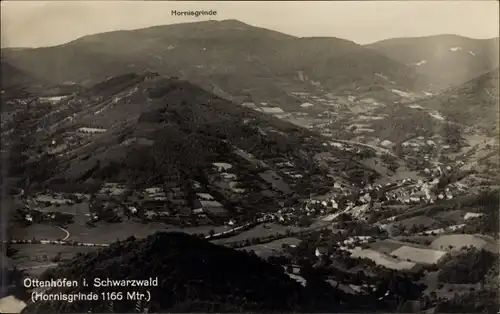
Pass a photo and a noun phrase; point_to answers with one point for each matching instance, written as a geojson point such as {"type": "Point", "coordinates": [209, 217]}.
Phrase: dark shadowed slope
{"type": "Point", "coordinates": [450, 58]}
{"type": "Point", "coordinates": [225, 56]}
{"type": "Point", "coordinates": [12, 76]}
{"type": "Point", "coordinates": [158, 129]}
{"type": "Point", "coordinates": [15, 82]}
{"type": "Point", "coordinates": [193, 276]}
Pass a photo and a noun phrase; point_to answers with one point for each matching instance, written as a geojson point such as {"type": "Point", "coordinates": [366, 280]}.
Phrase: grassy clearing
{"type": "Point", "coordinates": [417, 240]}
{"type": "Point", "coordinates": [385, 246]}
{"type": "Point", "coordinates": [419, 255]}
{"type": "Point", "coordinates": [383, 259]}
{"type": "Point", "coordinates": [271, 248]}
{"type": "Point", "coordinates": [278, 244]}
{"type": "Point", "coordinates": [260, 231]}
{"type": "Point", "coordinates": [76, 209]}
{"type": "Point", "coordinates": [454, 216]}
{"type": "Point", "coordinates": [33, 257]}
{"type": "Point", "coordinates": [106, 233]}
{"type": "Point", "coordinates": [427, 222]}
{"type": "Point", "coordinates": [445, 291]}
{"type": "Point", "coordinates": [109, 233]}
{"type": "Point", "coordinates": [37, 231]}
{"type": "Point", "coordinates": [457, 241]}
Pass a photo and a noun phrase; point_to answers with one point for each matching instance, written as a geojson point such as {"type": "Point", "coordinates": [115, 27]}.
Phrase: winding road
{"type": "Point", "coordinates": [65, 231]}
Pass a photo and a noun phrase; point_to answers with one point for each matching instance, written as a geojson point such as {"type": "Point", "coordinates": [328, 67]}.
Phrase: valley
{"type": "Point", "coordinates": [371, 184]}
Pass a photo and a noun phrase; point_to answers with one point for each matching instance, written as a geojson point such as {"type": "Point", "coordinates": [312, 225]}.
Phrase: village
{"type": "Point", "coordinates": [219, 207]}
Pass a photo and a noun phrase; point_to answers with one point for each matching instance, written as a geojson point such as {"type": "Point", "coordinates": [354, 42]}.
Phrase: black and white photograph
{"type": "Point", "coordinates": [249, 157]}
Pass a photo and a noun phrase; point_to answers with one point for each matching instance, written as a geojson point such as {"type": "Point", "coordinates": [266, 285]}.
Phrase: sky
{"type": "Point", "coordinates": [49, 23]}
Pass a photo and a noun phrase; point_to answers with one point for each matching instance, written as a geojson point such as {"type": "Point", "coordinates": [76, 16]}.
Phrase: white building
{"type": "Point", "coordinates": [386, 143]}
{"type": "Point", "coordinates": [91, 130]}
{"type": "Point", "coordinates": [222, 166]}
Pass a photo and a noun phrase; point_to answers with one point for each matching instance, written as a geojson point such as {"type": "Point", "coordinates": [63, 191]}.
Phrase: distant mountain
{"type": "Point", "coordinates": [230, 58]}
{"type": "Point", "coordinates": [193, 276]}
{"type": "Point", "coordinates": [474, 103]}
{"type": "Point", "coordinates": [451, 59]}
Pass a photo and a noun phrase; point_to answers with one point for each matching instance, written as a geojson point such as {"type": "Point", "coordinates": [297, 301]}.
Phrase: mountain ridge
{"type": "Point", "coordinates": [453, 59]}
{"type": "Point", "coordinates": [232, 57]}
{"type": "Point", "coordinates": [473, 103]}
{"type": "Point", "coordinates": [423, 37]}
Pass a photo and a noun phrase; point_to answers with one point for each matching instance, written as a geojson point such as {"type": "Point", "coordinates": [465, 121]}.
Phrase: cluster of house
{"type": "Point", "coordinates": [31, 215]}
{"type": "Point", "coordinates": [421, 150]}
{"type": "Point", "coordinates": [423, 192]}
{"type": "Point", "coordinates": [288, 168]}
{"type": "Point", "coordinates": [309, 207]}
{"type": "Point", "coordinates": [53, 99]}
{"type": "Point", "coordinates": [371, 198]}
{"type": "Point", "coordinates": [87, 130]}
{"type": "Point", "coordinates": [343, 146]}
{"type": "Point", "coordinates": [227, 180]}
{"type": "Point", "coordinates": [310, 100]}
{"type": "Point", "coordinates": [354, 241]}
{"type": "Point", "coordinates": [52, 198]}
{"type": "Point", "coordinates": [71, 139]}
{"type": "Point", "coordinates": [154, 200]}
{"type": "Point", "coordinates": [284, 215]}
{"type": "Point", "coordinates": [31, 208]}
{"type": "Point", "coordinates": [165, 201]}
{"type": "Point", "coordinates": [263, 107]}
{"type": "Point", "coordinates": [206, 204]}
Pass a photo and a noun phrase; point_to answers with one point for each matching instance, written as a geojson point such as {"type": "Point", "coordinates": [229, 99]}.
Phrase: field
{"type": "Point", "coordinates": [262, 230]}
{"type": "Point", "coordinates": [419, 255]}
{"type": "Point", "coordinates": [76, 209]}
{"type": "Point", "coordinates": [304, 121]}
{"type": "Point", "coordinates": [36, 258]}
{"type": "Point", "coordinates": [105, 233]}
{"type": "Point", "coordinates": [276, 181]}
{"type": "Point", "coordinates": [271, 248]}
{"type": "Point", "coordinates": [270, 229]}
{"type": "Point", "coordinates": [37, 231]}
{"type": "Point", "coordinates": [102, 232]}
{"type": "Point", "coordinates": [402, 174]}
{"type": "Point", "coordinates": [385, 246]}
{"type": "Point", "coordinates": [383, 259]}
{"type": "Point", "coordinates": [447, 290]}
{"type": "Point", "coordinates": [427, 222]}
{"type": "Point", "coordinates": [454, 216]}
{"type": "Point", "coordinates": [457, 241]}
{"type": "Point", "coordinates": [417, 240]}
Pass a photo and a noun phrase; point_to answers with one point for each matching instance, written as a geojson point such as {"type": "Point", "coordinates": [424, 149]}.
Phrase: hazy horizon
{"type": "Point", "coordinates": [32, 24]}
